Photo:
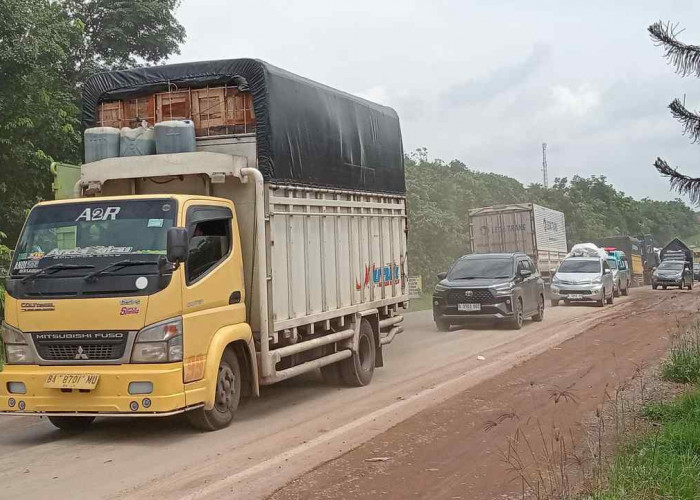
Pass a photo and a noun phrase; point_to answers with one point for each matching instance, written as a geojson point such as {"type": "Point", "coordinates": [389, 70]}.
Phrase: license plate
{"type": "Point", "coordinates": [575, 296]}
{"type": "Point", "coordinates": [71, 381]}
{"type": "Point", "coordinates": [469, 307]}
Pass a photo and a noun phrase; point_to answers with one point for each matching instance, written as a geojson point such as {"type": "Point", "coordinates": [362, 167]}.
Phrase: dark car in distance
{"type": "Point", "coordinates": [498, 286]}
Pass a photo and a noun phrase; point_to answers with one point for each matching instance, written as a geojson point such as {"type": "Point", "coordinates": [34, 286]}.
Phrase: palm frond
{"type": "Point", "coordinates": [683, 184]}
{"type": "Point", "coordinates": [689, 120]}
{"type": "Point", "coordinates": [686, 58]}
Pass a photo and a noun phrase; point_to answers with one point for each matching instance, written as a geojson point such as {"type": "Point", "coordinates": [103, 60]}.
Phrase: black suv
{"type": "Point", "coordinates": [495, 286]}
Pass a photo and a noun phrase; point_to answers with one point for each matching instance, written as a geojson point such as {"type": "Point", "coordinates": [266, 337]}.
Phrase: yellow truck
{"type": "Point", "coordinates": [183, 281]}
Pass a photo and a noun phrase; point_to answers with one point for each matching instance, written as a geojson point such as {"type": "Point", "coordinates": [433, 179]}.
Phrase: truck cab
{"type": "Point", "coordinates": [100, 283]}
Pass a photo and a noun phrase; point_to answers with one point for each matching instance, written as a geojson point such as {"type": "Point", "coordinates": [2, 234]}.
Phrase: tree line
{"type": "Point", "coordinates": [440, 195]}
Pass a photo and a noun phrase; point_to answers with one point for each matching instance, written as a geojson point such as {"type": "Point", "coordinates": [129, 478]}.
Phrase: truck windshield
{"type": "Point", "coordinates": [672, 265]}
{"type": "Point", "coordinates": [579, 266]}
{"type": "Point", "coordinates": [92, 235]}
{"type": "Point", "coordinates": [465, 269]}
{"type": "Point", "coordinates": [612, 263]}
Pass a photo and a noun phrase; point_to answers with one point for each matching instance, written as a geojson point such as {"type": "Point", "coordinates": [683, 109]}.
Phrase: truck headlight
{"type": "Point", "coordinates": [159, 343]}
{"type": "Point", "coordinates": [17, 351]}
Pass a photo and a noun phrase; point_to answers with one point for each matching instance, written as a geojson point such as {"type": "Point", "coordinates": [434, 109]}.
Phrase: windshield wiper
{"type": "Point", "coordinates": [119, 264]}
{"type": "Point", "coordinates": [54, 268]}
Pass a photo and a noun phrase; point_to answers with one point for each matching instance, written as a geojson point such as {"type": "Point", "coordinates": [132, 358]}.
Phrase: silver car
{"type": "Point", "coordinates": [583, 279]}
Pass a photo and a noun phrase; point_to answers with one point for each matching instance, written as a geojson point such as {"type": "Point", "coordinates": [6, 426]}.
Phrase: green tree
{"type": "Point", "coordinates": [47, 48]}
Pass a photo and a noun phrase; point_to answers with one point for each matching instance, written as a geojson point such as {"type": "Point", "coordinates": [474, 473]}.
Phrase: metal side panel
{"type": "Point", "coordinates": [332, 251]}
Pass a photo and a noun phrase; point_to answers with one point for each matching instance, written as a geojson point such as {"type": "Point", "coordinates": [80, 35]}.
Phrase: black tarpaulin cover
{"type": "Point", "coordinates": [307, 133]}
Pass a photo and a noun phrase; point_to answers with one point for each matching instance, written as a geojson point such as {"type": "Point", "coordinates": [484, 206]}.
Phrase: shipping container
{"type": "Point", "coordinates": [537, 231]}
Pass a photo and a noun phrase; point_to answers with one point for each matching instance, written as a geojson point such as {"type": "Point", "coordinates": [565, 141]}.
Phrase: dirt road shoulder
{"type": "Point", "coordinates": [453, 450]}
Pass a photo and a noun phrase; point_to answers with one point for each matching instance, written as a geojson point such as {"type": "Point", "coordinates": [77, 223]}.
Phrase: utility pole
{"type": "Point", "coordinates": [545, 178]}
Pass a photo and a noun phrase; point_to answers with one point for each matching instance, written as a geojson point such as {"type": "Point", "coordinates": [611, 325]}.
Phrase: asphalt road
{"type": "Point", "coordinates": [295, 425]}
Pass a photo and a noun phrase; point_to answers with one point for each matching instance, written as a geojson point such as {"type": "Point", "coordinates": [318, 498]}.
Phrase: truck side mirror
{"type": "Point", "coordinates": [178, 245]}
{"type": "Point", "coordinates": [442, 276]}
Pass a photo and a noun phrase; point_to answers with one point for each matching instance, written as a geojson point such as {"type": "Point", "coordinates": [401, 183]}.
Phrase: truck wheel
{"type": "Point", "coordinates": [616, 291]}
{"type": "Point", "coordinates": [72, 424]}
{"type": "Point", "coordinates": [442, 325]}
{"type": "Point", "coordinates": [331, 374]}
{"type": "Point", "coordinates": [517, 322]}
{"type": "Point", "coordinates": [228, 395]}
{"type": "Point", "coordinates": [554, 302]}
{"type": "Point", "coordinates": [663, 286]}
{"type": "Point", "coordinates": [540, 310]}
{"type": "Point", "coordinates": [655, 286]}
{"type": "Point", "coordinates": [357, 370]}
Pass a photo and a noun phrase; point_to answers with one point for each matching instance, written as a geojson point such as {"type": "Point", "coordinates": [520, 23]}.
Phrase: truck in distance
{"type": "Point", "coordinates": [183, 281]}
{"type": "Point", "coordinates": [493, 287]}
{"type": "Point", "coordinates": [676, 267]}
{"type": "Point", "coordinates": [539, 232]}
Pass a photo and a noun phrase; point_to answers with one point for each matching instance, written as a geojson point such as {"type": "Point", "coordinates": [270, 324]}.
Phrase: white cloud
{"type": "Point", "coordinates": [578, 101]}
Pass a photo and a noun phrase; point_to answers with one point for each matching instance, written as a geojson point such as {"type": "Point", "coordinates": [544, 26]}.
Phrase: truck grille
{"type": "Point", "coordinates": [469, 296]}
{"type": "Point", "coordinates": [80, 346]}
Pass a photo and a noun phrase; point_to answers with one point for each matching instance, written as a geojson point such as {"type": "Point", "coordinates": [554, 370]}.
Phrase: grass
{"type": "Point", "coordinates": [683, 363]}
{"type": "Point", "coordinates": [422, 303]}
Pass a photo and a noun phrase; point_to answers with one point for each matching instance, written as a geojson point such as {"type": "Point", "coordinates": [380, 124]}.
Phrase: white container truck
{"type": "Point", "coordinates": [187, 280]}
{"type": "Point", "coordinates": [537, 231]}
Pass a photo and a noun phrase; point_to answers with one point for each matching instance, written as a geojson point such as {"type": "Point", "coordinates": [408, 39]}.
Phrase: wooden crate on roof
{"type": "Point", "coordinates": [208, 111]}
{"type": "Point", "coordinates": [239, 111]}
{"type": "Point", "coordinates": [110, 114]}
{"type": "Point", "coordinates": [139, 110]}
{"type": "Point", "coordinates": [175, 105]}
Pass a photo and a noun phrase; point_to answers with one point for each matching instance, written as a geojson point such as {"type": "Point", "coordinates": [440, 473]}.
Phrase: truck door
{"type": "Point", "coordinates": [213, 292]}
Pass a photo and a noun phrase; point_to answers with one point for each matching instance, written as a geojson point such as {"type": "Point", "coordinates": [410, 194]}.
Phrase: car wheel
{"type": "Point", "coordinates": [626, 290]}
{"type": "Point", "coordinates": [616, 290]}
{"type": "Point", "coordinates": [540, 310]}
{"type": "Point", "coordinates": [611, 298]}
{"type": "Point", "coordinates": [72, 424]}
{"type": "Point", "coordinates": [227, 397]}
{"type": "Point", "coordinates": [442, 325]}
{"type": "Point", "coordinates": [554, 302]}
{"type": "Point", "coordinates": [655, 286]}
{"type": "Point", "coordinates": [690, 285]}
{"type": "Point", "coordinates": [663, 286]}
{"type": "Point", "coordinates": [358, 369]}
{"type": "Point", "coordinates": [517, 322]}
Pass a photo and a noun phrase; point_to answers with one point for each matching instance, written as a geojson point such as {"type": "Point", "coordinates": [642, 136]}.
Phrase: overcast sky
{"type": "Point", "coordinates": [486, 81]}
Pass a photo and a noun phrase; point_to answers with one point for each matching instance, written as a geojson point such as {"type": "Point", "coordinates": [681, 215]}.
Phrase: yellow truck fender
{"type": "Point", "coordinates": [225, 336]}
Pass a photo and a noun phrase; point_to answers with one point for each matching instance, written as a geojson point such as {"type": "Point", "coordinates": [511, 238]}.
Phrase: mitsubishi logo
{"type": "Point", "coordinates": [81, 354]}
{"type": "Point", "coordinates": [468, 293]}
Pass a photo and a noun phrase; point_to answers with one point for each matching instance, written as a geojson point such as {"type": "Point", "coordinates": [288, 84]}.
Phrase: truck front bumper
{"type": "Point", "coordinates": [111, 395]}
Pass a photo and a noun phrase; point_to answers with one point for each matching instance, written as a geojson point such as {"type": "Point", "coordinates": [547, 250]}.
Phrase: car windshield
{"type": "Point", "coordinates": [671, 265]}
{"type": "Point", "coordinates": [579, 266]}
{"type": "Point", "coordinates": [93, 235]}
{"type": "Point", "coordinates": [473, 268]}
{"type": "Point", "coordinates": [612, 263]}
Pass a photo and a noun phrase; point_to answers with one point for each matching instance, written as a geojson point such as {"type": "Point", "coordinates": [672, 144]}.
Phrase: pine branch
{"type": "Point", "coordinates": [686, 58]}
{"type": "Point", "coordinates": [683, 184]}
{"type": "Point", "coordinates": [689, 120]}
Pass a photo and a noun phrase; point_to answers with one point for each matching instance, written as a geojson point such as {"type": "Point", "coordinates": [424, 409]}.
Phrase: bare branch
{"type": "Point", "coordinates": [683, 184]}
{"type": "Point", "coordinates": [686, 58]}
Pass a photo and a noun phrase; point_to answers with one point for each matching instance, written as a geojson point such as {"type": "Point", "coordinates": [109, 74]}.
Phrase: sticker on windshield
{"type": "Point", "coordinates": [85, 251]}
{"type": "Point", "coordinates": [155, 222]}
{"type": "Point", "coordinates": [99, 213]}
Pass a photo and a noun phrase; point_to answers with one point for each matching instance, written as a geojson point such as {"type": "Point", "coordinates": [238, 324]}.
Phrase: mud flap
{"type": "Point", "coordinates": [379, 358]}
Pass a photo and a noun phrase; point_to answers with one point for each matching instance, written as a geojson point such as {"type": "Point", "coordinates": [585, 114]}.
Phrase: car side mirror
{"type": "Point", "coordinates": [178, 244]}
{"type": "Point", "coordinates": [442, 276]}
{"type": "Point", "coordinates": [525, 273]}
{"type": "Point", "coordinates": [607, 271]}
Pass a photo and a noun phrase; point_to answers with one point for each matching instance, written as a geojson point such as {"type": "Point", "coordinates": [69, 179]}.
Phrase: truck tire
{"type": "Point", "coordinates": [72, 424]}
{"type": "Point", "coordinates": [540, 310]}
{"type": "Point", "coordinates": [228, 395]}
{"type": "Point", "coordinates": [442, 325]}
{"type": "Point", "coordinates": [654, 286]}
{"type": "Point", "coordinates": [663, 286]}
{"type": "Point", "coordinates": [357, 370]}
{"type": "Point", "coordinates": [554, 302]}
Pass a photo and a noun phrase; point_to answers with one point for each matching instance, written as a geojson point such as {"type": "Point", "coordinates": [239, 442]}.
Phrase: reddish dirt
{"type": "Point", "coordinates": [446, 451]}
